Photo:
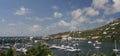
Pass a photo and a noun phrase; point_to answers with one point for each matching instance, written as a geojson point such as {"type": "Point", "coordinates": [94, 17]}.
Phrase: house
{"type": "Point", "coordinates": [64, 36]}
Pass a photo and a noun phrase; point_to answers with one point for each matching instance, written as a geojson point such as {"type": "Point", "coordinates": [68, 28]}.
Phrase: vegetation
{"type": "Point", "coordinates": [40, 50]}
{"type": "Point", "coordinates": [98, 54]}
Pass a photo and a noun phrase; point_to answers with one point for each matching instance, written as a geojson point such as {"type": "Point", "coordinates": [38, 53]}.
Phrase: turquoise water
{"type": "Point", "coordinates": [106, 47]}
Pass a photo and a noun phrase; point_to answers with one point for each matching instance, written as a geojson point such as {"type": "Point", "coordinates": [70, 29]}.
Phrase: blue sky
{"type": "Point", "coordinates": [43, 17]}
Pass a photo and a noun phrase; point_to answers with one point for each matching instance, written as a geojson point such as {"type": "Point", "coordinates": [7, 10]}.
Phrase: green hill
{"type": "Point", "coordinates": [107, 32]}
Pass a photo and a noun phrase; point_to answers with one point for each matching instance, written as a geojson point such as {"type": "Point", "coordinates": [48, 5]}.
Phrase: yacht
{"type": "Point", "coordinates": [62, 47]}
{"type": "Point", "coordinates": [89, 42]}
{"type": "Point", "coordinates": [116, 50]}
{"type": "Point", "coordinates": [97, 47]}
{"type": "Point", "coordinates": [54, 46]}
{"type": "Point", "coordinates": [72, 50]}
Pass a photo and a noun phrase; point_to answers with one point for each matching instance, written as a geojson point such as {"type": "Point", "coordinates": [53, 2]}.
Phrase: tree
{"type": "Point", "coordinates": [113, 54]}
{"type": "Point", "coordinates": [102, 54]}
{"type": "Point", "coordinates": [10, 52]}
{"type": "Point", "coordinates": [1, 53]}
{"type": "Point", "coordinates": [39, 50]}
{"type": "Point", "coordinates": [77, 54]}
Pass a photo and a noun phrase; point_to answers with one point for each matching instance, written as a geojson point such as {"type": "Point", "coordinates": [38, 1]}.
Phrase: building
{"type": "Point", "coordinates": [13, 39]}
{"type": "Point", "coordinates": [64, 36]}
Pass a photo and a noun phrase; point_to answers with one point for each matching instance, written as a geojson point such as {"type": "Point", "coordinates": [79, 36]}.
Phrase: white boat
{"type": "Point", "coordinates": [94, 44]}
{"type": "Point", "coordinates": [72, 50]}
{"type": "Point", "coordinates": [66, 48]}
{"type": "Point", "coordinates": [97, 42]}
{"type": "Point", "coordinates": [18, 49]}
{"type": "Point", "coordinates": [24, 50]}
{"type": "Point", "coordinates": [97, 47]}
{"type": "Point", "coordinates": [54, 47]}
{"type": "Point", "coordinates": [116, 50]}
{"type": "Point", "coordinates": [62, 47]}
{"type": "Point", "coordinates": [28, 45]}
{"type": "Point", "coordinates": [89, 42]}
{"type": "Point", "coordinates": [6, 46]}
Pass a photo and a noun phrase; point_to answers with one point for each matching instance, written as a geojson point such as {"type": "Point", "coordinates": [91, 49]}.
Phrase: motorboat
{"type": "Point", "coordinates": [54, 47]}
{"type": "Point", "coordinates": [97, 47]}
{"type": "Point", "coordinates": [72, 50]}
{"type": "Point", "coordinates": [89, 42]}
{"type": "Point", "coordinates": [62, 47]}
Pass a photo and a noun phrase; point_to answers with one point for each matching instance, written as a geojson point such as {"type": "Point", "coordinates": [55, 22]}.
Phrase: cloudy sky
{"type": "Point", "coordinates": [43, 17]}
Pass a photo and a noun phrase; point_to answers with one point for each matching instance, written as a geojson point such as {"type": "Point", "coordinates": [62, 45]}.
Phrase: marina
{"type": "Point", "coordinates": [69, 47]}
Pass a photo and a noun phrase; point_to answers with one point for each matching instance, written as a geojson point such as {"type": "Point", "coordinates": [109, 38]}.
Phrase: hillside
{"type": "Point", "coordinates": [107, 32]}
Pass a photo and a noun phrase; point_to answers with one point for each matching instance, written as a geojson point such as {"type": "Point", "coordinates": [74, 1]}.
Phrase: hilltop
{"type": "Point", "coordinates": [108, 32]}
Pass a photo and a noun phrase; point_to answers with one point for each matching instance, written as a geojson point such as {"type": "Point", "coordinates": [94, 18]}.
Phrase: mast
{"type": "Point", "coordinates": [115, 45]}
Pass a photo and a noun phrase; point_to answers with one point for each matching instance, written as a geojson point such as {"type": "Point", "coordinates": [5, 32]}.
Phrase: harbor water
{"type": "Point", "coordinates": [86, 48]}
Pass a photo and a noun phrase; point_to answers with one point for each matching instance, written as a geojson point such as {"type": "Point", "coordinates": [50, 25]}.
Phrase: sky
{"type": "Point", "coordinates": [44, 17]}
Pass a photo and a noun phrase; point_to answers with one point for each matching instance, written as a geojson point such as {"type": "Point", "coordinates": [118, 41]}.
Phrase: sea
{"type": "Point", "coordinates": [87, 49]}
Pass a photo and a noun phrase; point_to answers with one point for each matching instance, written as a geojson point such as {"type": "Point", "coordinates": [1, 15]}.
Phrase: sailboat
{"type": "Point", "coordinates": [116, 50]}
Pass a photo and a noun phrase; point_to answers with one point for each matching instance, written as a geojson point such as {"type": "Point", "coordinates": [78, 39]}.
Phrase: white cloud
{"type": "Point", "coordinates": [72, 28]}
{"type": "Point", "coordinates": [12, 24]}
{"type": "Point", "coordinates": [63, 23]}
{"type": "Point", "coordinates": [22, 11]}
{"type": "Point", "coordinates": [77, 19]}
{"type": "Point", "coordinates": [99, 3]}
{"type": "Point", "coordinates": [49, 18]}
{"type": "Point", "coordinates": [82, 19]}
{"type": "Point", "coordinates": [91, 11]}
{"type": "Point", "coordinates": [99, 20]}
{"type": "Point", "coordinates": [107, 6]}
{"type": "Point", "coordinates": [78, 16]}
{"type": "Point", "coordinates": [114, 8]}
{"type": "Point", "coordinates": [28, 18]}
{"type": "Point", "coordinates": [57, 15]}
{"type": "Point", "coordinates": [51, 26]}
{"type": "Point", "coordinates": [35, 28]}
{"type": "Point", "coordinates": [39, 19]}
{"type": "Point", "coordinates": [54, 7]}
{"type": "Point", "coordinates": [116, 5]}
{"type": "Point", "coordinates": [3, 20]}
{"type": "Point", "coordinates": [76, 13]}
